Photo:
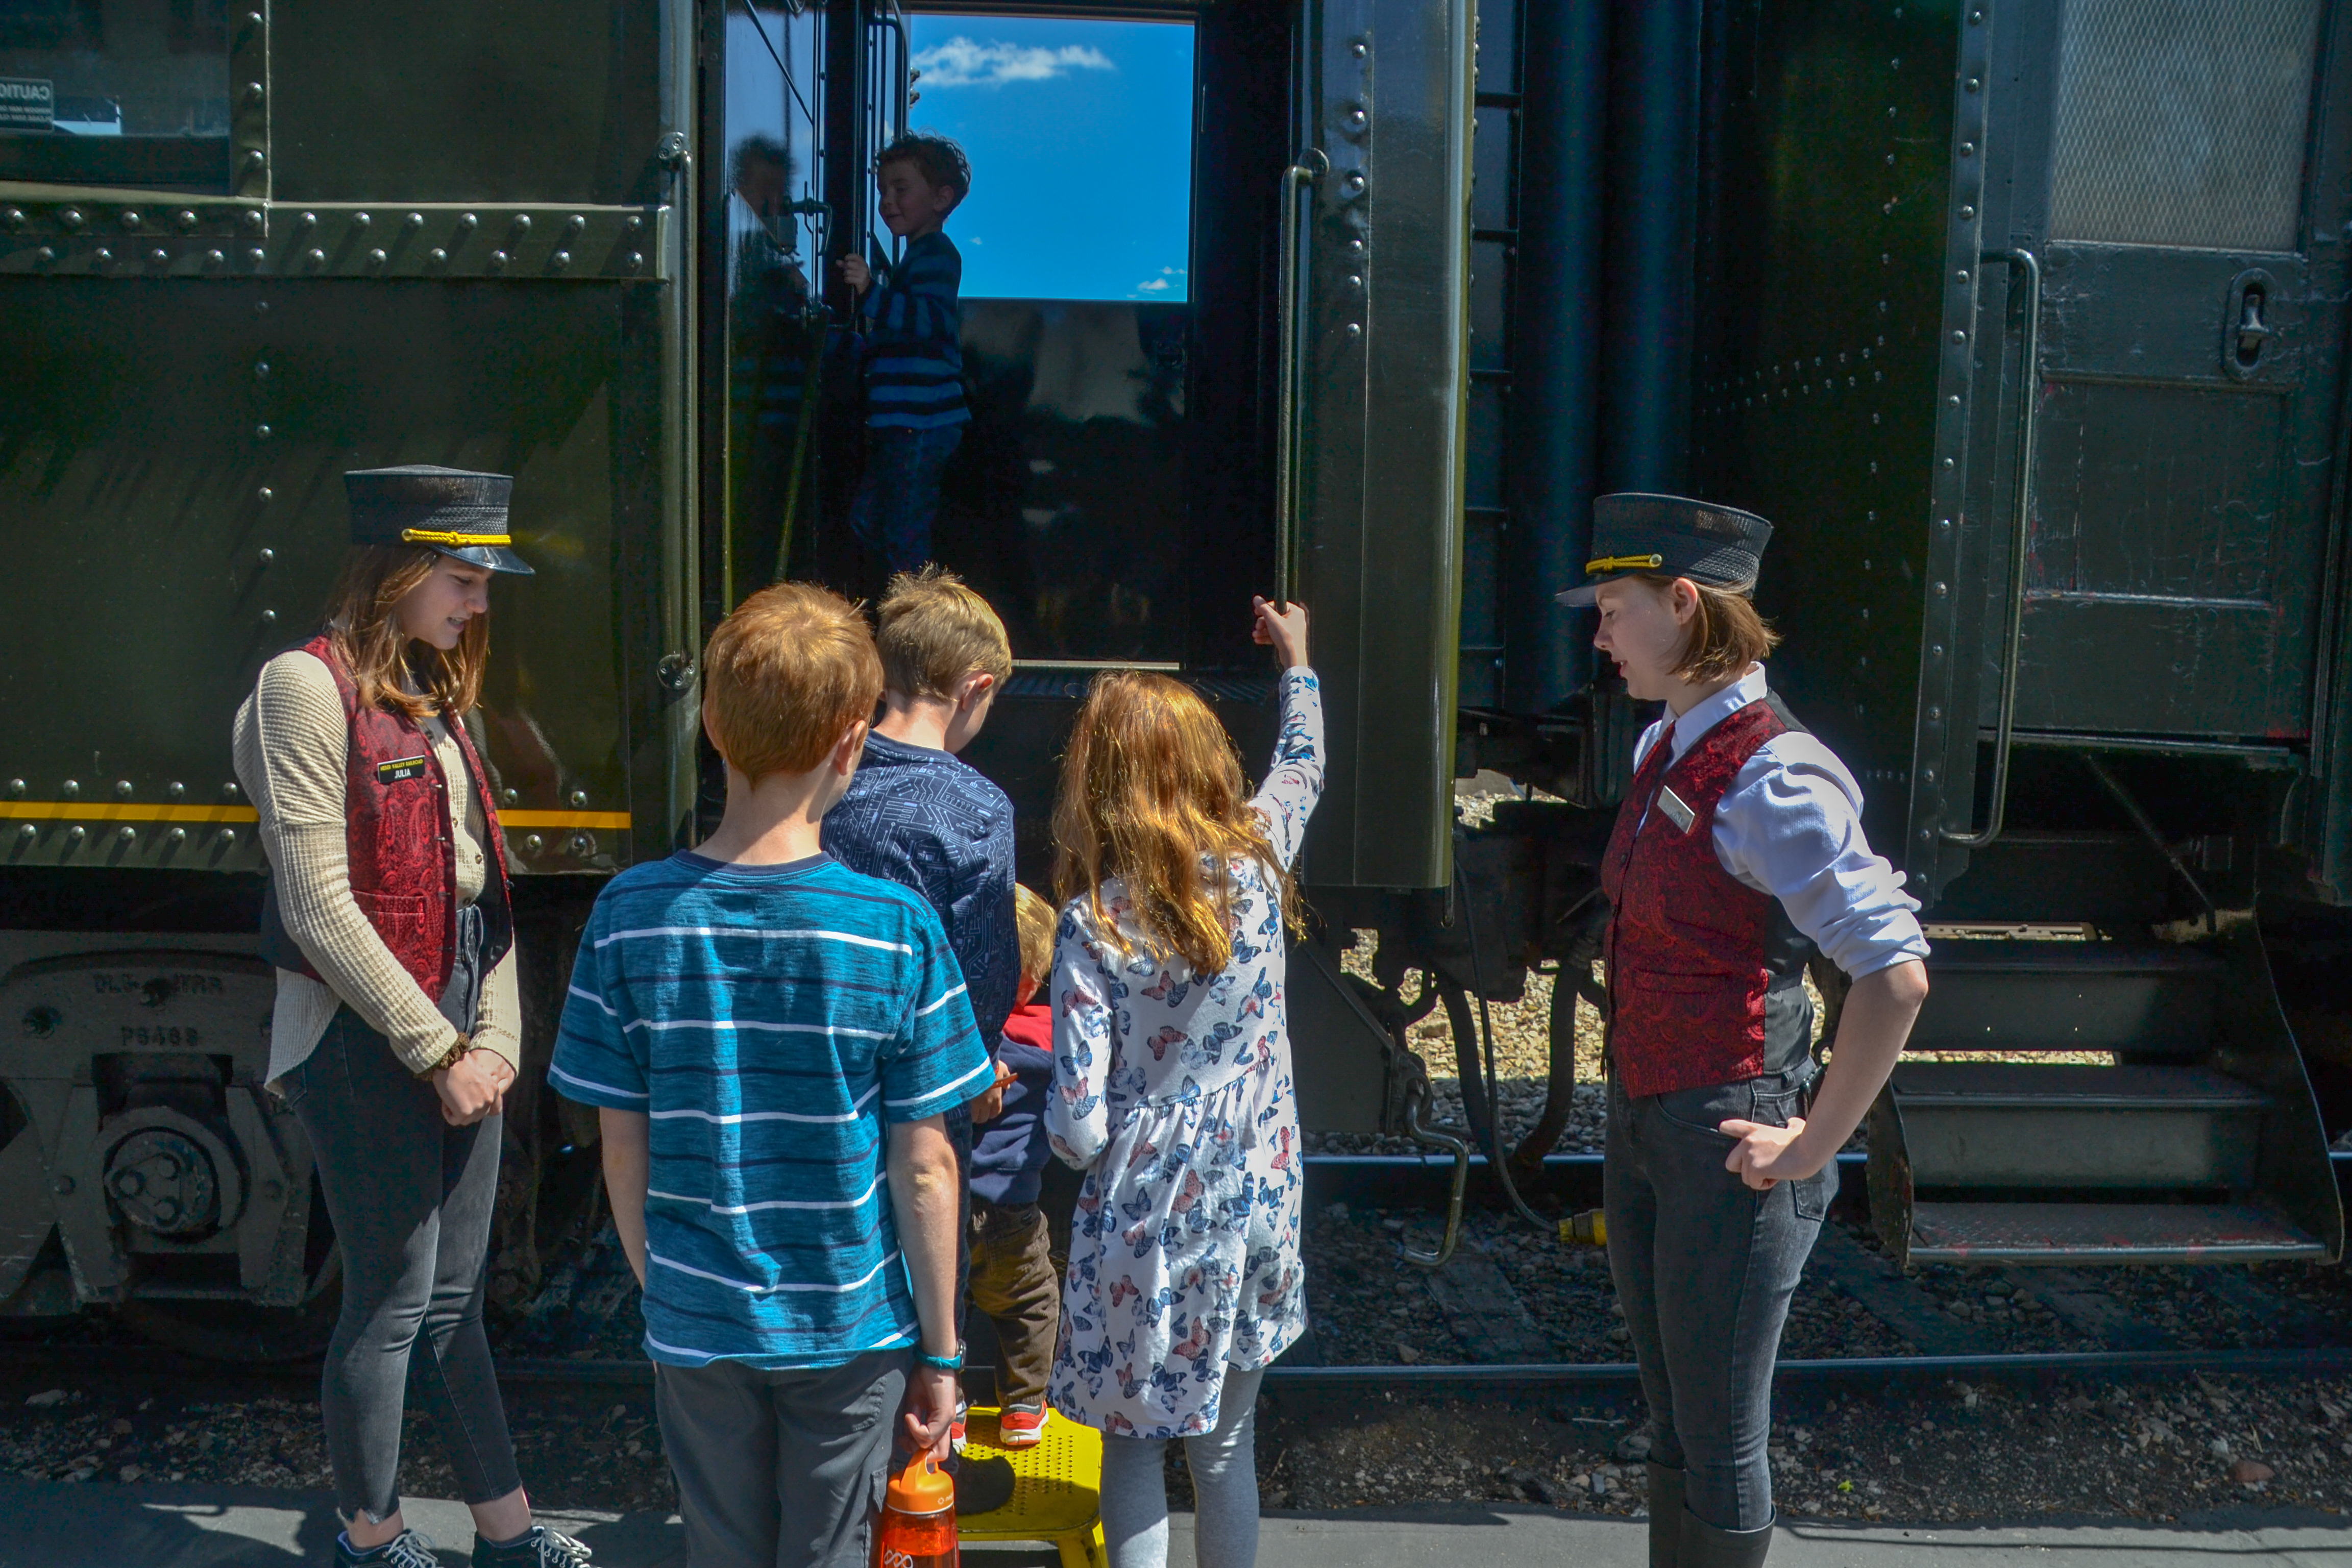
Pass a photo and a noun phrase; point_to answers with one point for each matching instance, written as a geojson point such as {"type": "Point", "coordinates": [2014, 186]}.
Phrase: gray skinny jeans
{"type": "Point", "coordinates": [1224, 1463]}
{"type": "Point", "coordinates": [1706, 1266]}
{"type": "Point", "coordinates": [410, 1198]}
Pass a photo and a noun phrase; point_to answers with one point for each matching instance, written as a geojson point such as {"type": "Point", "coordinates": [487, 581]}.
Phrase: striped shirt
{"type": "Point", "coordinates": [770, 1020]}
{"type": "Point", "coordinates": [914, 361]}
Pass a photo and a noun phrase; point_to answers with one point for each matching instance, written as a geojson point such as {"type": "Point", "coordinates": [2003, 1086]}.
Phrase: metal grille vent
{"type": "Point", "coordinates": [2183, 123]}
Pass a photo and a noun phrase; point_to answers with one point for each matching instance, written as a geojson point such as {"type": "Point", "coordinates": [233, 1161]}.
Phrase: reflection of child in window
{"type": "Point", "coordinates": [915, 411]}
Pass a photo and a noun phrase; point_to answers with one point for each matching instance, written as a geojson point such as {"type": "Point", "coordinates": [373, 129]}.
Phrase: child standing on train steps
{"type": "Point", "coordinates": [1172, 1090]}
{"type": "Point", "coordinates": [915, 407]}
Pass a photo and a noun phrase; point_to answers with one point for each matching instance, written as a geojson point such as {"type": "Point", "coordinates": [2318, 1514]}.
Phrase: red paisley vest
{"type": "Point", "coordinates": [403, 862]}
{"type": "Point", "coordinates": [1692, 952]}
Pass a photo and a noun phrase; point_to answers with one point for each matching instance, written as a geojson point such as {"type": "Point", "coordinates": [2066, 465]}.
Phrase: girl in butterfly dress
{"type": "Point", "coordinates": [1172, 1090]}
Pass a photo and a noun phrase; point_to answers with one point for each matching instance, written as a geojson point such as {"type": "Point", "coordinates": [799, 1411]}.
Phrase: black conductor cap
{"type": "Point", "coordinates": [1671, 536]}
{"type": "Point", "coordinates": [461, 513]}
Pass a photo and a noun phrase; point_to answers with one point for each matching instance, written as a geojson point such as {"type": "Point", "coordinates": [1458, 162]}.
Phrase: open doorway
{"type": "Point", "coordinates": [1066, 503]}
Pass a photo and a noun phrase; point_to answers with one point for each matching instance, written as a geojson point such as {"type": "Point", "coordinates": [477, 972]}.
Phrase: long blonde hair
{"type": "Point", "coordinates": [1152, 787]}
{"type": "Point", "coordinates": [377, 653]}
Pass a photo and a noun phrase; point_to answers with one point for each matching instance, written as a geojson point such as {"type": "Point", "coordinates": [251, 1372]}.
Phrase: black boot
{"type": "Point", "coordinates": [1666, 1516]}
{"type": "Point", "coordinates": [1704, 1546]}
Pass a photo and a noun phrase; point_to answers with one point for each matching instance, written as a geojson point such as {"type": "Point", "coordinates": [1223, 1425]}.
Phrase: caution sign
{"type": "Point", "coordinates": [28, 103]}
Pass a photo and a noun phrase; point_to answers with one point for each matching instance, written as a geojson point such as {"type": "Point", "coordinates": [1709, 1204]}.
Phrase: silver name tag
{"type": "Point", "coordinates": [1680, 814]}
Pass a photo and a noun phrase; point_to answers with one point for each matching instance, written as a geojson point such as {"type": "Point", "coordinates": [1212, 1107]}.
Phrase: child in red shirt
{"type": "Point", "coordinates": [1012, 1275]}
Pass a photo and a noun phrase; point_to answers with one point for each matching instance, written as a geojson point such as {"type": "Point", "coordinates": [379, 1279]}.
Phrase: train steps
{"type": "Point", "coordinates": [2191, 1137]}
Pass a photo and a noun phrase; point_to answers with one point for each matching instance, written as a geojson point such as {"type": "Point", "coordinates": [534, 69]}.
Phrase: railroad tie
{"type": "Point", "coordinates": [2290, 1321]}
{"type": "Point", "coordinates": [1485, 1314]}
{"type": "Point", "coordinates": [1853, 1270]}
{"type": "Point", "coordinates": [2085, 1306]}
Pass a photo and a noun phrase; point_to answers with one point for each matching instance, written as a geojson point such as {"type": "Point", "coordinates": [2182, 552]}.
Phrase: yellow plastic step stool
{"type": "Point", "coordinates": [1056, 1490]}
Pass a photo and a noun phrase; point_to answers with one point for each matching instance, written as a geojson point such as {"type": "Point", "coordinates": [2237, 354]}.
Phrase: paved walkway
{"type": "Point", "coordinates": [46, 1524]}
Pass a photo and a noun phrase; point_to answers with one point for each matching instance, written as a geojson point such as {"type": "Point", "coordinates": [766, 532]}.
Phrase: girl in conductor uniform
{"type": "Point", "coordinates": [1737, 853]}
{"type": "Point", "coordinates": [397, 1027]}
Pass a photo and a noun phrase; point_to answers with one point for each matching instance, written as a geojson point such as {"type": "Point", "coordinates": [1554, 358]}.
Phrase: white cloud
{"type": "Point", "coordinates": [961, 62]}
{"type": "Point", "coordinates": [1153, 285]}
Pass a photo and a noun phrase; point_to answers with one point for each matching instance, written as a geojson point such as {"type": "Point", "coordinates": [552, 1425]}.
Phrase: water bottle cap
{"type": "Point", "coordinates": [922, 1487]}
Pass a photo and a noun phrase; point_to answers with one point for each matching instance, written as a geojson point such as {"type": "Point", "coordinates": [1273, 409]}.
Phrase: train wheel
{"type": "Point", "coordinates": [242, 1331]}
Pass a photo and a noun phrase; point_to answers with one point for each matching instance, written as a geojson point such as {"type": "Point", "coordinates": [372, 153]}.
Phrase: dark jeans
{"type": "Point", "coordinates": [410, 1198]}
{"type": "Point", "coordinates": [776, 1469]}
{"type": "Point", "coordinates": [898, 496]}
{"type": "Point", "coordinates": [1705, 1267]}
{"type": "Point", "coordinates": [1013, 1280]}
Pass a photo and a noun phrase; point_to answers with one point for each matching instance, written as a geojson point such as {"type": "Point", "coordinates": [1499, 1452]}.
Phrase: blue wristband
{"type": "Point", "coordinates": [942, 1363]}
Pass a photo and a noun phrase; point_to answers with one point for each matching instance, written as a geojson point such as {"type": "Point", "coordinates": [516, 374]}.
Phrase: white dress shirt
{"type": "Point", "coordinates": [1791, 827]}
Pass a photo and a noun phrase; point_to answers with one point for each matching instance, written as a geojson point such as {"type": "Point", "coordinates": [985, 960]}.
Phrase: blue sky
{"type": "Point", "coordinates": [1080, 135]}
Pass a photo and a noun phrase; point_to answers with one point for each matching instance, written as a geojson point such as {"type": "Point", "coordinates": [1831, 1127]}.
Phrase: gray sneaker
{"type": "Point", "coordinates": [406, 1550]}
{"type": "Point", "coordinates": [542, 1548]}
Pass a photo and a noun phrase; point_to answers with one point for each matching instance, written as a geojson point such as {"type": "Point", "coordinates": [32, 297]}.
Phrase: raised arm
{"type": "Point", "coordinates": [1294, 782]}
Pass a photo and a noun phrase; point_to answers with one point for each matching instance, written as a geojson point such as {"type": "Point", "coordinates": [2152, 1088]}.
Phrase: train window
{"type": "Point", "coordinates": [776, 234]}
{"type": "Point", "coordinates": [115, 93]}
{"type": "Point", "coordinates": [1067, 502]}
{"type": "Point", "coordinates": [2156, 145]}
{"type": "Point", "coordinates": [773, 216]}
{"type": "Point", "coordinates": [1080, 135]}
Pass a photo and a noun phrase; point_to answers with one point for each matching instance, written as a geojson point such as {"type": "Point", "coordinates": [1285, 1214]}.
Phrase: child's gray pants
{"type": "Point", "coordinates": [1224, 1463]}
{"type": "Point", "coordinates": [781, 1469]}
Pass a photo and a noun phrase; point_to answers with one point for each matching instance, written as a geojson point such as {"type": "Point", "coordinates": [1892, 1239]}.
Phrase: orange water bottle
{"type": "Point", "coordinates": [919, 1527]}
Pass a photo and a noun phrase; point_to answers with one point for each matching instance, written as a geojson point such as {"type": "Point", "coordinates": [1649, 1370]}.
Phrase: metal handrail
{"type": "Point", "coordinates": [1311, 165]}
{"type": "Point", "coordinates": [2013, 630]}
{"type": "Point", "coordinates": [895, 19]}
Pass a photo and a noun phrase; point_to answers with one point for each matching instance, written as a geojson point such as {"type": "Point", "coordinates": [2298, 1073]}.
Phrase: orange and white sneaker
{"type": "Point", "coordinates": [1021, 1426]}
{"type": "Point", "coordinates": [956, 1428]}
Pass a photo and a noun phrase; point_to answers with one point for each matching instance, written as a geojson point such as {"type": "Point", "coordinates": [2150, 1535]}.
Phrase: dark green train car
{"type": "Point", "coordinates": [2021, 323]}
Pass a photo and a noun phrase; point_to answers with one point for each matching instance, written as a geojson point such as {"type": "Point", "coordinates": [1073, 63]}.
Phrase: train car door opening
{"type": "Point", "coordinates": [1215, 337]}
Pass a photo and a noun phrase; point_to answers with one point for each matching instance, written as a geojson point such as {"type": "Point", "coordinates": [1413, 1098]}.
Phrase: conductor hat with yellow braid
{"type": "Point", "coordinates": [459, 513]}
{"type": "Point", "coordinates": [1671, 536]}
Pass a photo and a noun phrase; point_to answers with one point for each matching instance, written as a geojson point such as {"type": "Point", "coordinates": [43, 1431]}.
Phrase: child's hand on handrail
{"type": "Point", "coordinates": [854, 272]}
{"type": "Point", "coordinates": [1283, 629]}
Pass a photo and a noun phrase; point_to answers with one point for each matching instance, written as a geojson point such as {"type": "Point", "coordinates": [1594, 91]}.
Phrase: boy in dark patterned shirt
{"type": "Point", "coordinates": [917, 816]}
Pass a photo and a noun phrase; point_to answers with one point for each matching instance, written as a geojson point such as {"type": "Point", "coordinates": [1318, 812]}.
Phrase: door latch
{"type": "Point", "coordinates": [2248, 338]}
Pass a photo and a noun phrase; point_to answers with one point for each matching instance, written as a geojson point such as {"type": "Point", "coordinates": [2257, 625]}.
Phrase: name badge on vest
{"type": "Point", "coordinates": [402, 768]}
{"type": "Point", "coordinates": [1679, 814]}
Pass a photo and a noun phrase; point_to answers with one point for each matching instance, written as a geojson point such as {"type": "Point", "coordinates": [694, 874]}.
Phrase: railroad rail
{"type": "Point", "coordinates": [1405, 1182]}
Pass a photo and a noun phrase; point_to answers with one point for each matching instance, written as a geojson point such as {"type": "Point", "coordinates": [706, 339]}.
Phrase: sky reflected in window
{"type": "Point", "coordinates": [1080, 136]}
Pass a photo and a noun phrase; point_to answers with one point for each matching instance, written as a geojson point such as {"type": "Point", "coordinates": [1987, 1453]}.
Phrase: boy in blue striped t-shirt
{"type": "Point", "coordinates": [772, 1041]}
{"type": "Point", "coordinates": [915, 411]}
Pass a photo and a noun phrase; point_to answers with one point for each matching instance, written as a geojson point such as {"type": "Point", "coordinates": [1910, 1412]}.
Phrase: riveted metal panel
{"type": "Point", "coordinates": [2141, 419]}
{"type": "Point", "coordinates": [51, 232]}
{"type": "Point", "coordinates": [521, 101]}
{"type": "Point", "coordinates": [176, 498]}
{"type": "Point", "coordinates": [1822, 280]}
{"type": "Point", "coordinates": [1386, 99]}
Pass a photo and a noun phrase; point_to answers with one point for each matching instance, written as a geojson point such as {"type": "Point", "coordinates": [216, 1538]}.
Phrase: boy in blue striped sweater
{"type": "Point", "coordinates": [915, 411]}
{"type": "Point", "coordinates": [772, 1042]}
